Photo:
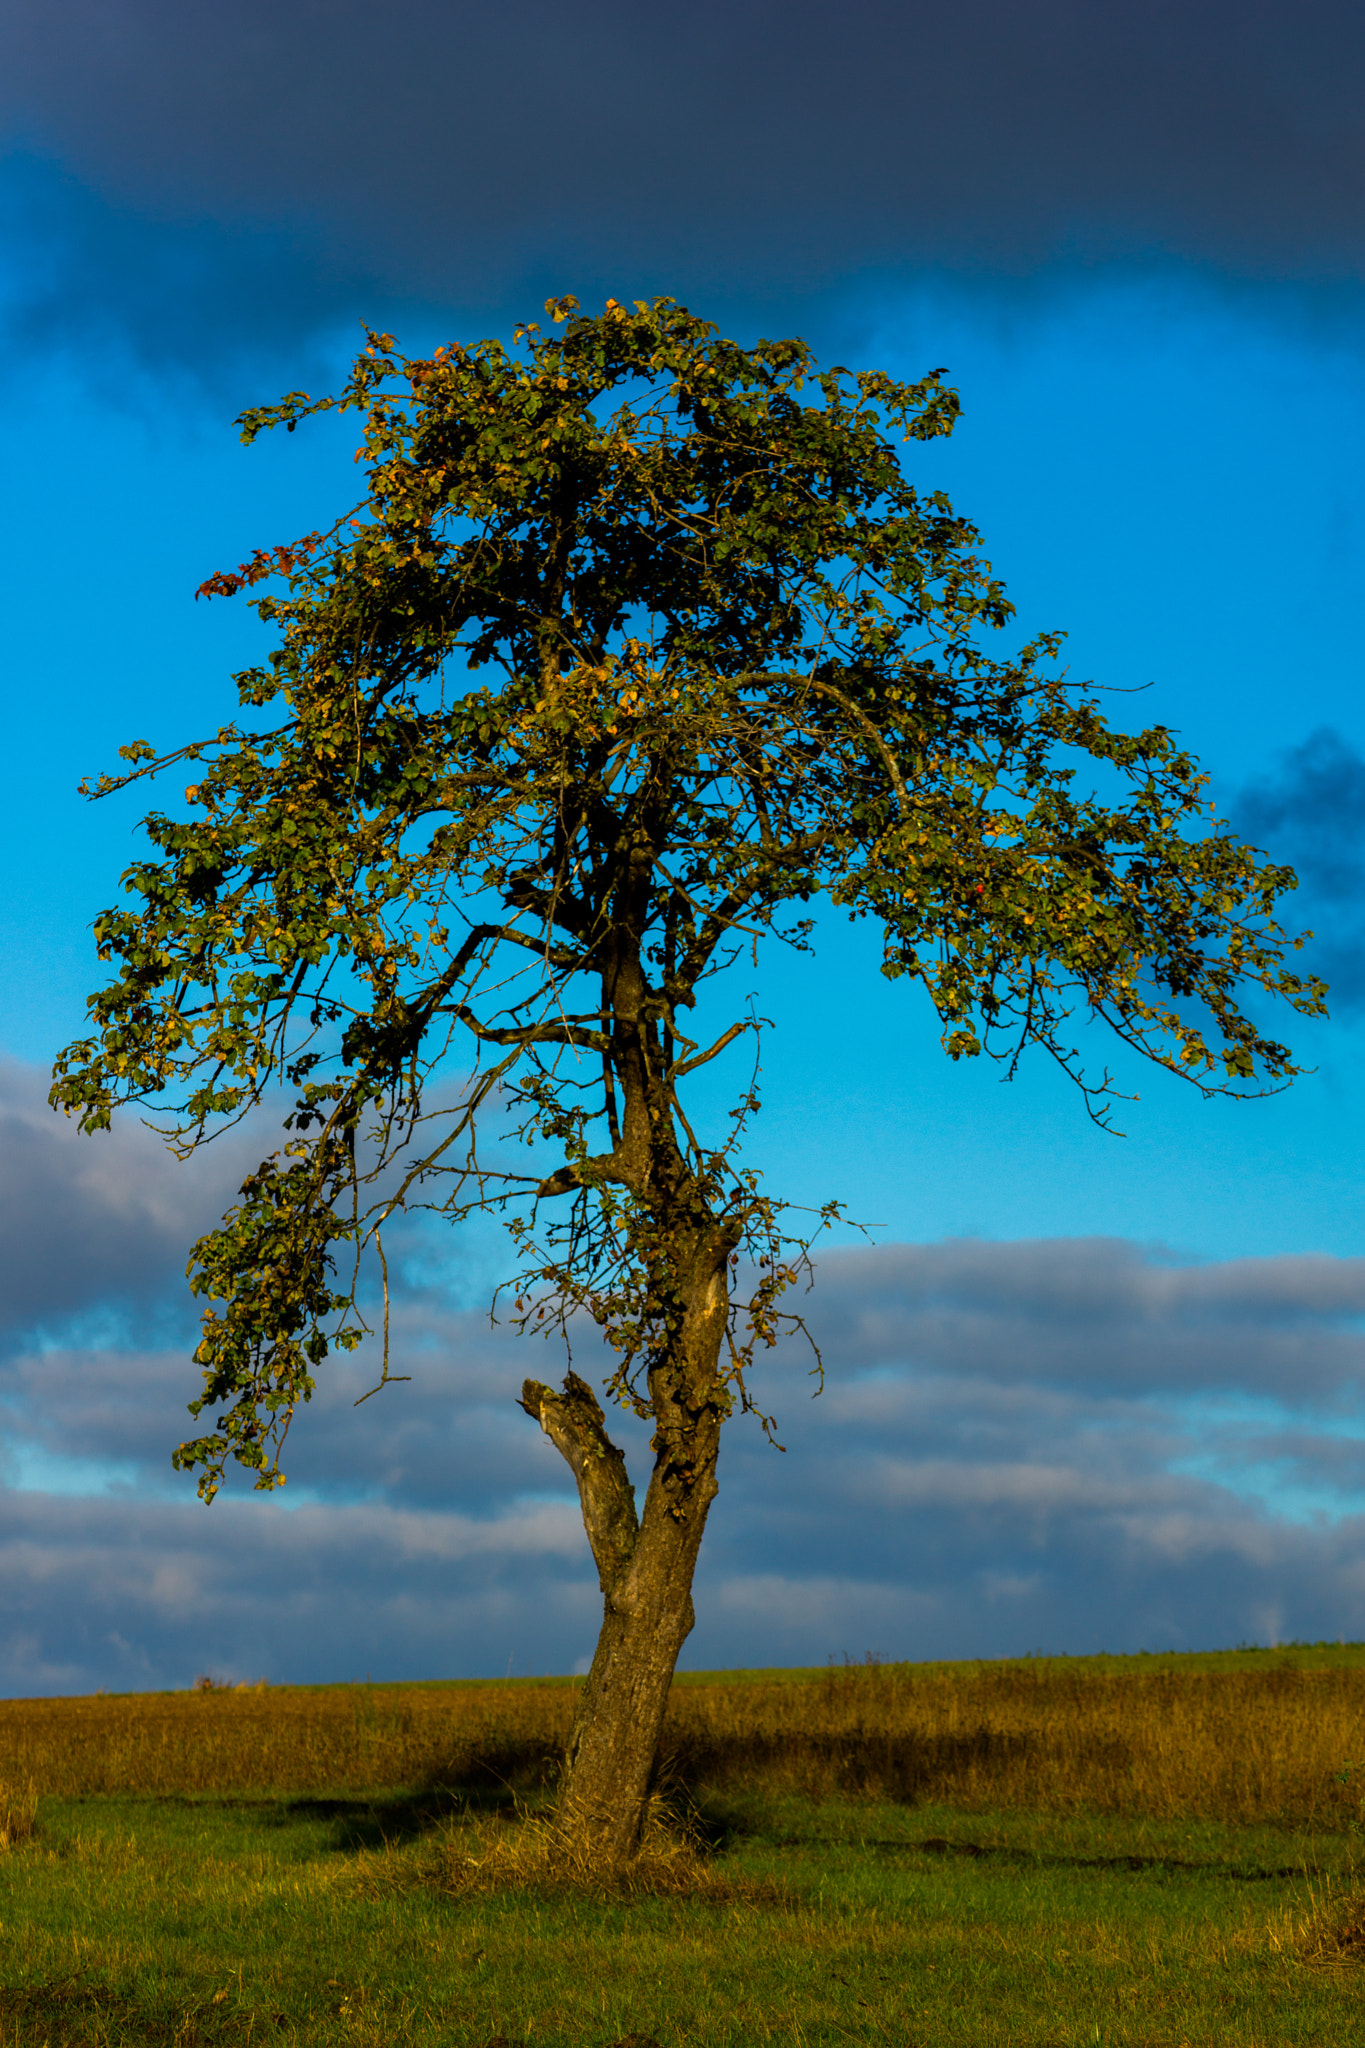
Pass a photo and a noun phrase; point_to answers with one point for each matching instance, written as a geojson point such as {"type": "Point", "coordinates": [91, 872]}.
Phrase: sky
{"type": "Point", "coordinates": [1081, 1391]}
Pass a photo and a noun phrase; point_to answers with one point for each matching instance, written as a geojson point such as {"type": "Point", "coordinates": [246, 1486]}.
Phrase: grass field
{"type": "Point", "coordinates": [1125, 1851]}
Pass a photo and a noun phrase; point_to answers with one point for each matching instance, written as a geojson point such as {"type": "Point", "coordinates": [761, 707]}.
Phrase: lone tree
{"type": "Point", "coordinates": [736, 665]}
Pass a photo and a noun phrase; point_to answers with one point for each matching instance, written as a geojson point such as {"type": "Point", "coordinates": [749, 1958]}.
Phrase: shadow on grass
{"type": "Point", "coordinates": [890, 1764]}
{"type": "Point", "coordinates": [389, 1821]}
{"type": "Point", "coordinates": [497, 1787]}
{"type": "Point", "coordinates": [357, 1821]}
{"type": "Point", "coordinates": [938, 1846]}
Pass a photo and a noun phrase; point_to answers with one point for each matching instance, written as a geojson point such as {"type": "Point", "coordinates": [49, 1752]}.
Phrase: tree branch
{"type": "Point", "coordinates": [726, 916]}
{"type": "Point", "coordinates": [854, 711]}
{"type": "Point", "coordinates": [588, 1173]}
{"type": "Point", "coordinates": [524, 893]}
{"type": "Point", "coordinates": [888, 758]}
{"type": "Point", "coordinates": [576, 1426]}
{"type": "Point", "coordinates": [681, 1067]}
{"type": "Point", "coordinates": [566, 1033]}
{"type": "Point", "coordinates": [554, 956]}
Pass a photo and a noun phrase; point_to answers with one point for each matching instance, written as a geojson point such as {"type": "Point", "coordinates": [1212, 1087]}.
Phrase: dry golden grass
{"type": "Point", "coordinates": [1281, 1741]}
{"type": "Point", "coordinates": [18, 1811]}
{"type": "Point", "coordinates": [527, 1851]}
{"type": "Point", "coordinates": [287, 1739]}
{"type": "Point", "coordinates": [1327, 1928]}
{"type": "Point", "coordinates": [1336, 1934]}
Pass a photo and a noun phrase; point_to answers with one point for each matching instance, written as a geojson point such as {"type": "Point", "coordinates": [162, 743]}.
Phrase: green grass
{"type": "Point", "coordinates": [235, 1920]}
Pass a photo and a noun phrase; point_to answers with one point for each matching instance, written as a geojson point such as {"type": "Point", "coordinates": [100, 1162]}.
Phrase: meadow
{"type": "Point", "coordinates": [1149, 1850]}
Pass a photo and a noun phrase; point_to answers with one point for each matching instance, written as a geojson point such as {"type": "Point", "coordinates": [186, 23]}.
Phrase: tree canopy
{"type": "Point", "coordinates": [640, 644]}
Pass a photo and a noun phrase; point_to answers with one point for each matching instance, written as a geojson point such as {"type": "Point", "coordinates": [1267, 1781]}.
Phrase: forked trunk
{"type": "Point", "coordinates": [645, 1567]}
{"type": "Point", "coordinates": [612, 1751]}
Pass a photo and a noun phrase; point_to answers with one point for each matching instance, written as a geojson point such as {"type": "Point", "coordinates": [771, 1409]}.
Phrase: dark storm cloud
{"type": "Point", "coordinates": [470, 155]}
{"type": "Point", "coordinates": [220, 305]}
{"type": "Point", "coordinates": [1058, 1445]}
{"type": "Point", "coordinates": [1310, 815]}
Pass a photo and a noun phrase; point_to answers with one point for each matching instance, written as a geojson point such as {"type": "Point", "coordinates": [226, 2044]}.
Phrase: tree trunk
{"type": "Point", "coordinates": [645, 1568]}
{"type": "Point", "coordinates": [609, 1765]}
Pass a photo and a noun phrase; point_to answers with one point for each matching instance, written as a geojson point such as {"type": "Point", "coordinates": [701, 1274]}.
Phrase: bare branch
{"type": "Point", "coordinates": [576, 1426]}
{"type": "Point", "coordinates": [681, 1067]}
{"type": "Point", "coordinates": [568, 1033]}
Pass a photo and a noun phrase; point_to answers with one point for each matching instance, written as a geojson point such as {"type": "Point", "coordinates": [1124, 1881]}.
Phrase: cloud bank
{"type": "Point", "coordinates": [212, 305]}
{"type": "Point", "coordinates": [237, 178]}
{"type": "Point", "coordinates": [807, 135]}
{"type": "Point", "coordinates": [1056, 1445]}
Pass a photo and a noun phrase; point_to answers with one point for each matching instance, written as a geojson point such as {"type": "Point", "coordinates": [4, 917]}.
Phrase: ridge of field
{"type": "Point", "coordinates": [1245, 1657]}
{"type": "Point", "coordinates": [1246, 1735]}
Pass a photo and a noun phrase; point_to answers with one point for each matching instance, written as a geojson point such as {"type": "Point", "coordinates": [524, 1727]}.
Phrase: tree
{"type": "Point", "coordinates": [737, 665]}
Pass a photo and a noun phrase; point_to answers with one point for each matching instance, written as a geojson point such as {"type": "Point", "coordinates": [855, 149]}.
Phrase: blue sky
{"type": "Point", "coordinates": [1134, 237]}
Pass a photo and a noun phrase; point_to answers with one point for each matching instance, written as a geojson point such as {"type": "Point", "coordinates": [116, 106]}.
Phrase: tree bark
{"type": "Point", "coordinates": [645, 1569]}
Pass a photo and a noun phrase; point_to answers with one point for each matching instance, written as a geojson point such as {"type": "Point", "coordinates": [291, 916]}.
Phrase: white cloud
{"type": "Point", "coordinates": [942, 1482]}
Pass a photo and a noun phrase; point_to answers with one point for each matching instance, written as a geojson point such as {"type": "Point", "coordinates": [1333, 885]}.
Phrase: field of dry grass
{"type": "Point", "coordinates": [1277, 1737]}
